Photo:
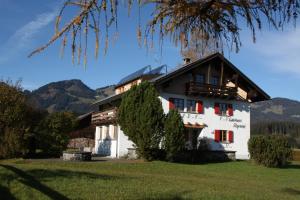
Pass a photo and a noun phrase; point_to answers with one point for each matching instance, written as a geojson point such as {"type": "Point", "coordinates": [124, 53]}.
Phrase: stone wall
{"type": "Point", "coordinates": [77, 143]}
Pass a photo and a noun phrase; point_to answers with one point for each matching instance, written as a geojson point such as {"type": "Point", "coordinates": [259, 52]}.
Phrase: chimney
{"type": "Point", "coordinates": [186, 60]}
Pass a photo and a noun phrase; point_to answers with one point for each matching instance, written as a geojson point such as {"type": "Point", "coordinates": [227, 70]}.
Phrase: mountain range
{"type": "Point", "coordinates": [74, 95]}
{"type": "Point", "coordinates": [68, 95]}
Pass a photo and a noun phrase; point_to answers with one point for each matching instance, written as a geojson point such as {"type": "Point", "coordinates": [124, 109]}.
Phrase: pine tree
{"type": "Point", "coordinates": [140, 116]}
{"type": "Point", "coordinates": [174, 134]}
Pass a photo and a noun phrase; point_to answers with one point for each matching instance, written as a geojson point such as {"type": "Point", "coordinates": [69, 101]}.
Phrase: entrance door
{"type": "Point", "coordinates": [191, 137]}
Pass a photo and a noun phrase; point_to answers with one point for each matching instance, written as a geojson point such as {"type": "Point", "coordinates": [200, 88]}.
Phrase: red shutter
{"type": "Point", "coordinates": [217, 108]}
{"type": "Point", "coordinates": [199, 107]}
{"type": "Point", "coordinates": [230, 136]}
{"type": "Point", "coordinates": [230, 110]}
{"type": "Point", "coordinates": [217, 136]}
{"type": "Point", "coordinates": [171, 104]}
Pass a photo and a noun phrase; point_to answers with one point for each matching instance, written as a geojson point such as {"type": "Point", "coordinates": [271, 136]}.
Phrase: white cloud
{"type": "Point", "coordinates": [22, 38]}
{"type": "Point", "coordinates": [280, 50]}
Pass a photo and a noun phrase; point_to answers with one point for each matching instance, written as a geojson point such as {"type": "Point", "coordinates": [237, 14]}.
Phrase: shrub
{"type": "Point", "coordinates": [270, 151]}
{"type": "Point", "coordinates": [53, 132]}
{"type": "Point", "coordinates": [13, 119]}
{"type": "Point", "coordinates": [174, 138]}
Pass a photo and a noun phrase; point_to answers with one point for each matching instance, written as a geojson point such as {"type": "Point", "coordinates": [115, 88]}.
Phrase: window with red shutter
{"type": "Point", "coordinates": [199, 107]}
{"type": "Point", "coordinates": [171, 104]}
{"type": "Point", "coordinates": [230, 110]}
{"type": "Point", "coordinates": [230, 136]}
{"type": "Point", "coordinates": [217, 136]}
{"type": "Point", "coordinates": [217, 108]}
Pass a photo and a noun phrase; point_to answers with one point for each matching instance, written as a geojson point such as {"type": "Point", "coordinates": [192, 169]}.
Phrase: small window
{"type": "Point", "coordinates": [179, 104]}
{"type": "Point", "coordinates": [223, 136]}
{"type": "Point", "coordinates": [223, 108]}
{"type": "Point", "coordinates": [191, 106]}
{"type": "Point", "coordinates": [214, 80]}
{"type": "Point", "coordinates": [200, 78]}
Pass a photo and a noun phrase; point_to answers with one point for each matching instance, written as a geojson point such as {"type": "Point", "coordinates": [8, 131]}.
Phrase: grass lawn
{"type": "Point", "coordinates": [50, 179]}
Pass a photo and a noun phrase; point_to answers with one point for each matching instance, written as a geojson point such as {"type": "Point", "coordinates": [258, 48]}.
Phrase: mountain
{"type": "Point", "coordinates": [71, 95]}
{"type": "Point", "coordinates": [276, 109]}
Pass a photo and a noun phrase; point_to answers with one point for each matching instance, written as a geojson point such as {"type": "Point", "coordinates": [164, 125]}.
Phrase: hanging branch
{"type": "Point", "coordinates": [214, 21]}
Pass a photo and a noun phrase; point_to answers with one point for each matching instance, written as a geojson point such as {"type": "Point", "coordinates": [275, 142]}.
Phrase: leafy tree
{"type": "Point", "coordinates": [218, 21]}
{"type": "Point", "coordinates": [140, 116]}
{"type": "Point", "coordinates": [13, 119]}
{"type": "Point", "coordinates": [173, 135]}
{"type": "Point", "coordinates": [53, 132]}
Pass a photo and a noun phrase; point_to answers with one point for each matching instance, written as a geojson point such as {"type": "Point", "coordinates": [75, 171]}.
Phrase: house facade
{"type": "Point", "coordinates": [211, 94]}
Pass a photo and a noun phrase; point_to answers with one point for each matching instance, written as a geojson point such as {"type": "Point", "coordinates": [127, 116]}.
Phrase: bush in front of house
{"type": "Point", "coordinates": [270, 151]}
{"type": "Point", "coordinates": [173, 141]}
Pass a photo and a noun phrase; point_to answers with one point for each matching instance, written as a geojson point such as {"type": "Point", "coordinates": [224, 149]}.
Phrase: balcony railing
{"type": "Point", "coordinates": [104, 117]}
{"type": "Point", "coordinates": [196, 88]}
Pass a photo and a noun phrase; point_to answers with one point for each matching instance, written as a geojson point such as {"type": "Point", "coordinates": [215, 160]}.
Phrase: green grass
{"type": "Point", "coordinates": [50, 179]}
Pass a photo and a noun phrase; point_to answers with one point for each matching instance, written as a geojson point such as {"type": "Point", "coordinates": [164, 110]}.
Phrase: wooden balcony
{"type": "Point", "coordinates": [196, 88]}
{"type": "Point", "coordinates": [104, 117]}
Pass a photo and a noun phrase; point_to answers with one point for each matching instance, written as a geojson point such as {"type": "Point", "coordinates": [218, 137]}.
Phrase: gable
{"type": "Point", "coordinates": [220, 77]}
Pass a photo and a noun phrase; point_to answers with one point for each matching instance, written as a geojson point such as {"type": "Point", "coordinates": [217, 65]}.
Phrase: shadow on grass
{"type": "Point", "coordinates": [5, 193]}
{"type": "Point", "coordinates": [291, 191]}
{"type": "Point", "coordinates": [32, 182]}
{"type": "Point", "coordinates": [31, 179]}
{"type": "Point", "coordinates": [44, 174]}
{"type": "Point", "coordinates": [169, 196]}
{"type": "Point", "coordinates": [292, 166]}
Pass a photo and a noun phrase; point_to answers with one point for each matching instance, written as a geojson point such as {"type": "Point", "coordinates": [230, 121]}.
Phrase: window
{"type": "Point", "coordinates": [214, 80]}
{"type": "Point", "coordinates": [175, 103]}
{"type": "Point", "coordinates": [191, 105]}
{"type": "Point", "coordinates": [179, 104]}
{"type": "Point", "coordinates": [199, 78]}
{"type": "Point", "coordinates": [223, 109]}
{"type": "Point", "coordinates": [224, 136]}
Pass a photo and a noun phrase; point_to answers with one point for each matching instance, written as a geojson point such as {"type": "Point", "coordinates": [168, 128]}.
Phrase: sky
{"type": "Point", "coordinates": [273, 62]}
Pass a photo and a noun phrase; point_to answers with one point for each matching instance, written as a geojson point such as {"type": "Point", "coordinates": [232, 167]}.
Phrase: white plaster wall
{"type": "Point", "coordinates": [212, 121]}
{"type": "Point", "coordinates": [97, 139]}
{"type": "Point", "coordinates": [105, 146]}
{"type": "Point", "coordinates": [123, 143]}
{"type": "Point", "coordinates": [241, 117]}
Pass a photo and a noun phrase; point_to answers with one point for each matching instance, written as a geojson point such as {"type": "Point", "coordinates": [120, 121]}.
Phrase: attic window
{"type": "Point", "coordinates": [214, 80]}
{"type": "Point", "coordinates": [199, 78]}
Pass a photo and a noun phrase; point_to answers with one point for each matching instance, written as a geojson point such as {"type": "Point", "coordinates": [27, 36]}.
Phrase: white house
{"type": "Point", "coordinates": [211, 94]}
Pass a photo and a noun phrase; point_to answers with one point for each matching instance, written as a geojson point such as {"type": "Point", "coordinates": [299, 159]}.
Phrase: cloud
{"type": "Point", "coordinates": [22, 38]}
{"type": "Point", "coordinates": [280, 51]}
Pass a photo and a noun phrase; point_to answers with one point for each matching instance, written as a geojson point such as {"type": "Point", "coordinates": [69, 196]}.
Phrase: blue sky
{"type": "Point", "coordinates": [273, 62]}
